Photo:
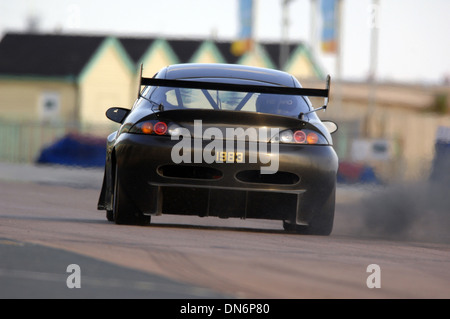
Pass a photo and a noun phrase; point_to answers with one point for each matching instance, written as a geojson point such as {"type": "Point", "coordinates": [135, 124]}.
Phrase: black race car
{"type": "Point", "coordinates": [222, 140]}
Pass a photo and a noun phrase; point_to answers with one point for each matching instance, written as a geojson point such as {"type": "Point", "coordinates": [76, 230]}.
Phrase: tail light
{"type": "Point", "coordinates": [299, 137]}
{"type": "Point", "coordinates": [150, 128]}
{"type": "Point", "coordinates": [160, 128]}
{"type": "Point", "coordinates": [312, 138]}
{"type": "Point", "coordinates": [147, 128]}
{"type": "Point", "coordinates": [304, 136]}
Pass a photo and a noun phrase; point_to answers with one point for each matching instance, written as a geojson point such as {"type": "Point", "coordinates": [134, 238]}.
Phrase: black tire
{"type": "Point", "coordinates": [124, 211]}
{"type": "Point", "coordinates": [110, 215]}
{"type": "Point", "coordinates": [321, 224]}
{"type": "Point", "coordinates": [287, 226]}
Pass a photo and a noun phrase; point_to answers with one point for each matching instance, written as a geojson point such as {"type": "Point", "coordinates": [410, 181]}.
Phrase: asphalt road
{"type": "Point", "coordinates": [48, 221]}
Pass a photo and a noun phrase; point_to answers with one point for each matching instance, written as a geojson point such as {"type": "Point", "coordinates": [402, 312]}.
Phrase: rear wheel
{"type": "Point", "coordinates": [110, 215]}
{"type": "Point", "coordinates": [124, 211]}
{"type": "Point", "coordinates": [321, 223]}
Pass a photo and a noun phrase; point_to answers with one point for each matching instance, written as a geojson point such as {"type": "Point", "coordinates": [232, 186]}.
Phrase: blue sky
{"type": "Point", "coordinates": [413, 46]}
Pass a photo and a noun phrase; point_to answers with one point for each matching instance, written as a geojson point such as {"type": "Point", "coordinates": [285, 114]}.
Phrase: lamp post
{"type": "Point", "coordinates": [284, 46]}
{"type": "Point", "coordinates": [373, 25]}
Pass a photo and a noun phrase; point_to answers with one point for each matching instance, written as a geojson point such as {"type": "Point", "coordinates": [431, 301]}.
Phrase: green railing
{"type": "Point", "coordinates": [21, 141]}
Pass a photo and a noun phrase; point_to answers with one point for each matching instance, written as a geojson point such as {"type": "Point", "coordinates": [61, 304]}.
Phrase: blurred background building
{"type": "Point", "coordinates": [59, 83]}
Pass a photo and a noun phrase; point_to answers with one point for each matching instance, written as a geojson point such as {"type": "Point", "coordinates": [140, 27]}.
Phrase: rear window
{"type": "Point", "coordinates": [183, 98]}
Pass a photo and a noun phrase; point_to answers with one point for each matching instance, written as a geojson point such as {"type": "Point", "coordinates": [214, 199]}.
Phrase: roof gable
{"type": "Point", "coordinates": [257, 57]}
{"type": "Point", "coordinates": [302, 56]}
{"type": "Point", "coordinates": [68, 57]}
{"type": "Point", "coordinates": [205, 49]}
{"type": "Point", "coordinates": [157, 56]}
{"type": "Point", "coordinates": [107, 43]}
{"type": "Point", "coordinates": [162, 45]}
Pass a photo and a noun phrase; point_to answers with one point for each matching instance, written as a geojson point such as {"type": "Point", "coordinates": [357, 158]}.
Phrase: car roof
{"type": "Point", "coordinates": [227, 71]}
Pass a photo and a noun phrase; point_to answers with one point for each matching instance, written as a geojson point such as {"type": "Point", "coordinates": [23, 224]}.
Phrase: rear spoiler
{"type": "Point", "coordinates": [188, 84]}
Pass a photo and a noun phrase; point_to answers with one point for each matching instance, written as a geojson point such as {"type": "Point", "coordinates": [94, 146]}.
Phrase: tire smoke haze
{"type": "Point", "coordinates": [415, 212]}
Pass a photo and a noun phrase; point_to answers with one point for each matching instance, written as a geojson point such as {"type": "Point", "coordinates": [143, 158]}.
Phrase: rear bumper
{"type": "Point", "coordinates": [304, 181]}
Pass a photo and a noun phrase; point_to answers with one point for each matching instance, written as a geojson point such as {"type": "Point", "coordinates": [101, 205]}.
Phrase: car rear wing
{"type": "Point", "coordinates": [188, 84]}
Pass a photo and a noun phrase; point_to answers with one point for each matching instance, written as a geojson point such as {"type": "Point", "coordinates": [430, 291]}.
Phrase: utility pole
{"type": "Point", "coordinates": [313, 39]}
{"type": "Point", "coordinates": [284, 46]}
{"type": "Point", "coordinates": [338, 59]}
{"type": "Point", "coordinates": [373, 25]}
